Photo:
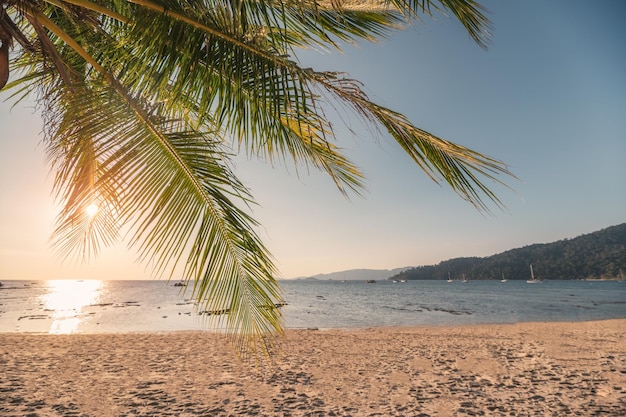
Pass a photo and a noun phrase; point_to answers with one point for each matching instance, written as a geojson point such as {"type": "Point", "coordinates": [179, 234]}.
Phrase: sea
{"type": "Point", "coordinates": [89, 306]}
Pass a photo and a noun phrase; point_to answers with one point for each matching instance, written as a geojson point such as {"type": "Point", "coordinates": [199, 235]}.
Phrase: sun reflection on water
{"type": "Point", "coordinates": [67, 300]}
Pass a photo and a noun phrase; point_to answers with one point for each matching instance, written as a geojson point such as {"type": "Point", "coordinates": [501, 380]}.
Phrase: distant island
{"type": "Point", "coordinates": [356, 274]}
{"type": "Point", "coordinates": [598, 255]}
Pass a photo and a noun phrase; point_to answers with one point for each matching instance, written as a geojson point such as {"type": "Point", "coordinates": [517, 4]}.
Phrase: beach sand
{"type": "Point", "coordinates": [528, 369]}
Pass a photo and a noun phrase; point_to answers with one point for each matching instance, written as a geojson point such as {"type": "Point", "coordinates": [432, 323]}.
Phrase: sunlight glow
{"type": "Point", "coordinates": [67, 300]}
{"type": "Point", "coordinates": [91, 209]}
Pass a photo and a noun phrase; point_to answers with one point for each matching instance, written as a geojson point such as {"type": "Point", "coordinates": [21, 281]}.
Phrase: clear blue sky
{"type": "Point", "coordinates": [548, 98]}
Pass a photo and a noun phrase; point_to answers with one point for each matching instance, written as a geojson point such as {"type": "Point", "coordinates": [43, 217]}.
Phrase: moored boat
{"type": "Point", "coordinates": [532, 279]}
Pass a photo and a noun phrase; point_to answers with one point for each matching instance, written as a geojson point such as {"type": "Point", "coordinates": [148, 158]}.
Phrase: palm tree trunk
{"type": "Point", "coordinates": [4, 63]}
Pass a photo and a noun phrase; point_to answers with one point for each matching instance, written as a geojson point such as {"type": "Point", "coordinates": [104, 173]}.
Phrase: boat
{"type": "Point", "coordinates": [450, 279]}
{"type": "Point", "coordinates": [370, 281]}
{"type": "Point", "coordinates": [503, 279]}
{"type": "Point", "coordinates": [532, 279]}
{"type": "Point", "coordinates": [464, 280]}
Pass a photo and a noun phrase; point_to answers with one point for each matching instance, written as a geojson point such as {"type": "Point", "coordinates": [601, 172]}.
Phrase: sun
{"type": "Point", "coordinates": [91, 209]}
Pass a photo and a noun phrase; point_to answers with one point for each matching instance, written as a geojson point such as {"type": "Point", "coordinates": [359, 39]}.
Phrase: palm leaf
{"type": "Point", "coordinates": [145, 101]}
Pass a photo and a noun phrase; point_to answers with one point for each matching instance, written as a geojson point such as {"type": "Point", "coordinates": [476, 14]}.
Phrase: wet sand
{"type": "Point", "coordinates": [529, 369]}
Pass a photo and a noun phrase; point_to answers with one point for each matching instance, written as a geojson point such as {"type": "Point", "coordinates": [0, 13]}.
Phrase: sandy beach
{"type": "Point", "coordinates": [529, 369]}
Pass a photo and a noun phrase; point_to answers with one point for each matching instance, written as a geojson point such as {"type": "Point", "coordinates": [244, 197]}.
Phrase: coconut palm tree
{"type": "Point", "coordinates": [145, 102]}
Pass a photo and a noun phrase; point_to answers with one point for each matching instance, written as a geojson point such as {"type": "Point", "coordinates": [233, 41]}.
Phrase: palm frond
{"type": "Point", "coordinates": [144, 101]}
{"type": "Point", "coordinates": [461, 168]}
{"type": "Point", "coordinates": [176, 195]}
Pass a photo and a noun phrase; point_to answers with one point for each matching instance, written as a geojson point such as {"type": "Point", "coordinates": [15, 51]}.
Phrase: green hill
{"type": "Point", "coordinates": [598, 255]}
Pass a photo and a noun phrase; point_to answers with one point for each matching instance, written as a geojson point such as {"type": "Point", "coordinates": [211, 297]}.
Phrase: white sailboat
{"type": "Point", "coordinates": [449, 279]}
{"type": "Point", "coordinates": [464, 280]}
{"type": "Point", "coordinates": [532, 279]}
{"type": "Point", "coordinates": [503, 279]}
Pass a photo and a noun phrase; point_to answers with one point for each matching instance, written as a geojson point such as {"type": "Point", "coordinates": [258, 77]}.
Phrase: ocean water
{"type": "Point", "coordinates": [67, 306]}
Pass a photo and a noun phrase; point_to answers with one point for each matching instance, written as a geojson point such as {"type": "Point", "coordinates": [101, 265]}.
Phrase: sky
{"type": "Point", "coordinates": [548, 97]}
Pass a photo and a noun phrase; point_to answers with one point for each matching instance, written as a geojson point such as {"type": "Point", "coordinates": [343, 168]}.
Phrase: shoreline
{"type": "Point", "coordinates": [400, 328]}
{"type": "Point", "coordinates": [540, 368]}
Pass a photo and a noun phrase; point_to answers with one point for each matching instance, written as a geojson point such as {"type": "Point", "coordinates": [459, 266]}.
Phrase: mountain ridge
{"type": "Point", "coordinates": [357, 274]}
{"type": "Point", "coordinates": [595, 255]}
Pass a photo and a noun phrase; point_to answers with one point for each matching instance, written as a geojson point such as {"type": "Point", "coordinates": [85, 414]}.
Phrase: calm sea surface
{"type": "Point", "coordinates": [138, 306]}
